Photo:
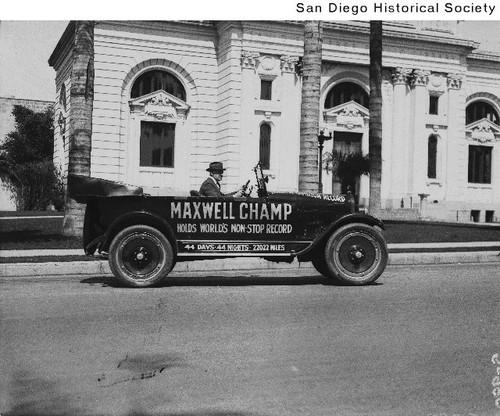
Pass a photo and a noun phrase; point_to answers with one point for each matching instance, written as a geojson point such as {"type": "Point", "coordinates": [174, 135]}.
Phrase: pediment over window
{"type": "Point", "coordinates": [350, 115]}
{"type": "Point", "coordinates": [483, 131]}
{"type": "Point", "coordinates": [160, 104]}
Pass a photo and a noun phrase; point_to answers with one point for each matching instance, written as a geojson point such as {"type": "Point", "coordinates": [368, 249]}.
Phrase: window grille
{"type": "Point", "coordinates": [480, 164]}
{"type": "Point", "coordinates": [266, 89]}
{"type": "Point", "coordinates": [265, 146]}
{"type": "Point", "coordinates": [432, 157]}
{"type": "Point", "coordinates": [155, 80]}
{"type": "Point", "coordinates": [157, 144]}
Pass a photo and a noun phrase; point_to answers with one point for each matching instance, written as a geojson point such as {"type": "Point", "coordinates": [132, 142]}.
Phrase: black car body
{"type": "Point", "coordinates": [144, 236]}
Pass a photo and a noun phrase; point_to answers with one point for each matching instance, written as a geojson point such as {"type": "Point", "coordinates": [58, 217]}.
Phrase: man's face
{"type": "Point", "coordinates": [217, 176]}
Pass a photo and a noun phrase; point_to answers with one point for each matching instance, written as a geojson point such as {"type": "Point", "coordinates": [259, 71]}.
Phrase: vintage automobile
{"type": "Point", "coordinates": [144, 236]}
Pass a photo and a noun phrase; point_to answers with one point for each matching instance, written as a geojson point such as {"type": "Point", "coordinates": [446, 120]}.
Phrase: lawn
{"type": "Point", "coordinates": [44, 232]}
{"type": "Point", "coordinates": [439, 232]}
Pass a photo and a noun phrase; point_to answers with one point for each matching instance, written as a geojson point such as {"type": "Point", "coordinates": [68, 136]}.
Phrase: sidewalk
{"type": "Point", "coordinates": [71, 261]}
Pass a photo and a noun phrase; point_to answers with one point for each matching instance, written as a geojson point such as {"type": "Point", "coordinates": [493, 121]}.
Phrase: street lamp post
{"type": "Point", "coordinates": [321, 139]}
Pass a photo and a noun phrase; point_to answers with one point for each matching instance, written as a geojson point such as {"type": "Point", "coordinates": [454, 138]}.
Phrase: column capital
{"type": "Point", "coordinates": [249, 59]}
{"type": "Point", "coordinates": [401, 75]}
{"type": "Point", "coordinates": [386, 76]}
{"type": "Point", "coordinates": [288, 63]}
{"type": "Point", "coordinates": [420, 77]}
{"type": "Point", "coordinates": [455, 81]}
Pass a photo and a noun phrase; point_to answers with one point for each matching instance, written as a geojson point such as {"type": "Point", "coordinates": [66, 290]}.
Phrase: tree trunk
{"type": "Point", "coordinates": [80, 120]}
{"type": "Point", "coordinates": [375, 128]}
{"type": "Point", "coordinates": [310, 106]}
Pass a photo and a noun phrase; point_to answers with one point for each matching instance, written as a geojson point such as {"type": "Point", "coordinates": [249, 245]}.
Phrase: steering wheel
{"type": "Point", "coordinates": [245, 190]}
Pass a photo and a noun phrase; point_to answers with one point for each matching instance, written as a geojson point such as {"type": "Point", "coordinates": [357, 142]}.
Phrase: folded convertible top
{"type": "Point", "coordinates": [82, 188]}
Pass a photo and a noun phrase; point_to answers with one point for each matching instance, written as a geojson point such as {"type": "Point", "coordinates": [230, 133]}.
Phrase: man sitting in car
{"type": "Point", "coordinates": [211, 186]}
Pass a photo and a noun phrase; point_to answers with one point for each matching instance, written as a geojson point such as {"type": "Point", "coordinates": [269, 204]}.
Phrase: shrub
{"type": "Point", "coordinates": [36, 185]}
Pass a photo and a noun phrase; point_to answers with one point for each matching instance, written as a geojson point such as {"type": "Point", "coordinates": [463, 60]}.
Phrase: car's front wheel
{"type": "Point", "coordinates": [319, 263]}
{"type": "Point", "coordinates": [356, 254]}
{"type": "Point", "coordinates": [140, 256]}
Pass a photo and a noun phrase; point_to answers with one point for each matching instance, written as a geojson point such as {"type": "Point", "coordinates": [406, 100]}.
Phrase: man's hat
{"type": "Point", "coordinates": [216, 167]}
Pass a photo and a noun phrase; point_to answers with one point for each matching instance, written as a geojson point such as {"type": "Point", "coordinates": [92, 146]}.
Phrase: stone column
{"type": "Point", "coordinates": [289, 140]}
{"type": "Point", "coordinates": [387, 121]}
{"type": "Point", "coordinates": [249, 136]}
{"type": "Point", "coordinates": [456, 152]}
{"type": "Point", "coordinates": [399, 142]}
{"type": "Point", "coordinates": [417, 166]}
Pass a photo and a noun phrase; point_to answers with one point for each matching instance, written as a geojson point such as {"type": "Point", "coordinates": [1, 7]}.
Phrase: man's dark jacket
{"type": "Point", "coordinates": [210, 188]}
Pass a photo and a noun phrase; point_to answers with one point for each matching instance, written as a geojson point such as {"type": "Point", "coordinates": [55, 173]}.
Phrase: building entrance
{"type": "Point", "coordinates": [345, 143]}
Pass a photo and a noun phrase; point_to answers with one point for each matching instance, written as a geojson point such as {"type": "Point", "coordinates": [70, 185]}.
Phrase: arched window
{"type": "Point", "coordinates": [478, 110]}
{"type": "Point", "coordinates": [158, 80]}
{"type": "Point", "coordinates": [265, 146]}
{"type": "Point", "coordinates": [345, 92]}
{"type": "Point", "coordinates": [432, 143]}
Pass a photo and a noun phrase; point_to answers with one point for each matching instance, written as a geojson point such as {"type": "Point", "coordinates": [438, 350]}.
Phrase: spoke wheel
{"type": "Point", "coordinates": [356, 254]}
{"type": "Point", "coordinates": [140, 256]}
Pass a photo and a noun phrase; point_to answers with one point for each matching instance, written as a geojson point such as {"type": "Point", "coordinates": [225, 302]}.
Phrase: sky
{"type": "Point", "coordinates": [25, 48]}
{"type": "Point", "coordinates": [26, 45]}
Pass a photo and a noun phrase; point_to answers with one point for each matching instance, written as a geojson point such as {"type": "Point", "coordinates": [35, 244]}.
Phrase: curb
{"type": "Point", "coordinates": [101, 267]}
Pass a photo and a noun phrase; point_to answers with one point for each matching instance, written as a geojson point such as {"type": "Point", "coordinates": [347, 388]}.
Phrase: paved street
{"type": "Point", "coordinates": [275, 342]}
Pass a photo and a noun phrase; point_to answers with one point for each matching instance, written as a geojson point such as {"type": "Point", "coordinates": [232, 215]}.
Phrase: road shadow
{"type": "Point", "coordinates": [249, 279]}
{"type": "Point", "coordinates": [31, 395]}
{"type": "Point", "coordinates": [36, 396]}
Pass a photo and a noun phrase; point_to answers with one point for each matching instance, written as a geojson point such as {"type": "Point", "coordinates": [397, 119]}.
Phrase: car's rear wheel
{"type": "Point", "coordinates": [140, 256]}
{"type": "Point", "coordinates": [356, 254]}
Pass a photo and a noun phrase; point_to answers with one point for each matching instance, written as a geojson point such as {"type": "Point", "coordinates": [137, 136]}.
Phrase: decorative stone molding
{"type": "Point", "coordinates": [160, 108]}
{"type": "Point", "coordinates": [437, 84]}
{"type": "Point", "coordinates": [288, 63]}
{"type": "Point", "coordinates": [455, 81]}
{"type": "Point", "coordinates": [268, 66]}
{"type": "Point", "coordinates": [267, 114]}
{"type": "Point", "coordinates": [267, 63]}
{"type": "Point", "coordinates": [350, 115]}
{"type": "Point", "coordinates": [444, 26]}
{"type": "Point", "coordinates": [160, 105]}
{"type": "Point", "coordinates": [483, 131]}
{"type": "Point", "coordinates": [249, 60]}
{"type": "Point", "coordinates": [437, 128]}
{"type": "Point", "coordinates": [174, 67]}
{"type": "Point", "coordinates": [401, 75]}
{"type": "Point", "coordinates": [387, 76]}
{"type": "Point", "coordinates": [420, 77]}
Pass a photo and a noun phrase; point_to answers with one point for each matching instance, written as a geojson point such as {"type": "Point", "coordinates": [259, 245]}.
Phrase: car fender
{"type": "Point", "coordinates": [139, 217]}
{"type": "Point", "coordinates": [357, 217]}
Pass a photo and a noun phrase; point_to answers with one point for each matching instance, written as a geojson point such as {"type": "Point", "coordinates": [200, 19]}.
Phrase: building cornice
{"type": "Point", "coordinates": [160, 26]}
{"type": "Point", "coordinates": [63, 44]}
{"type": "Point", "coordinates": [481, 55]}
{"type": "Point", "coordinates": [401, 31]}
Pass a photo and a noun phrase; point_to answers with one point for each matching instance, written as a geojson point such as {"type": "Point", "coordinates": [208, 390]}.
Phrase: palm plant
{"type": "Point", "coordinates": [81, 98]}
{"type": "Point", "coordinates": [310, 106]}
{"type": "Point", "coordinates": [375, 128]}
{"type": "Point", "coordinates": [348, 168]}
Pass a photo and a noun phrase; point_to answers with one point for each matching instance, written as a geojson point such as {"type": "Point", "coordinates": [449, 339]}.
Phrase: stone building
{"type": "Point", "coordinates": [172, 96]}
